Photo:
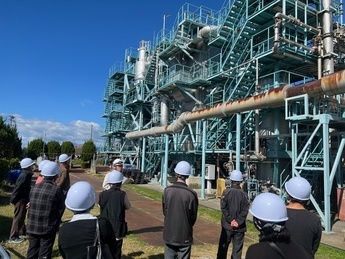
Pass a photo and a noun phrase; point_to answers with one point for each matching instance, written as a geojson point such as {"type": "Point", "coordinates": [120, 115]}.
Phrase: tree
{"type": "Point", "coordinates": [10, 143]}
{"type": "Point", "coordinates": [54, 148]}
{"type": "Point", "coordinates": [10, 148]}
{"type": "Point", "coordinates": [67, 147]}
{"type": "Point", "coordinates": [89, 149]}
{"type": "Point", "coordinates": [36, 148]}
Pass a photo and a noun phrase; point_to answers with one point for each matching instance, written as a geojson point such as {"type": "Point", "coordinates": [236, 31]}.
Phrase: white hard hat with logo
{"type": "Point", "coordinates": [117, 161]}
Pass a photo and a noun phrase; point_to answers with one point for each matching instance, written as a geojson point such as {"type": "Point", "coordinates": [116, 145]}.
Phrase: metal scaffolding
{"type": "Point", "coordinates": [257, 86]}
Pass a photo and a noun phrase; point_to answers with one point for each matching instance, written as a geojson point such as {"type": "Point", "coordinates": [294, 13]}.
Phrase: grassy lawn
{"type": "Point", "coordinates": [133, 246]}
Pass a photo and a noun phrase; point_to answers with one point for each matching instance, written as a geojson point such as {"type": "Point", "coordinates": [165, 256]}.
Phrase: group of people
{"type": "Point", "coordinates": [285, 231]}
{"type": "Point", "coordinates": [45, 202]}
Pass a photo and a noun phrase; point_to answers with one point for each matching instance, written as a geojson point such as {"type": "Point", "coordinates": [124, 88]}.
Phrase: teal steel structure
{"type": "Point", "coordinates": [223, 87]}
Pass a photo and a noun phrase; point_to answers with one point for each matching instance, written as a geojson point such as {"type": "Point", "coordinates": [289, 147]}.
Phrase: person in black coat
{"type": "Point", "coordinates": [269, 215]}
{"type": "Point", "coordinates": [113, 204]}
{"type": "Point", "coordinates": [180, 209]}
{"type": "Point", "coordinates": [79, 233]}
{"type": "Point", "coordinates": [20, 199]}
{"type": "Point", "coordinates": [234, 205]}
{"type": "Point", "coordinates": [304, 226]}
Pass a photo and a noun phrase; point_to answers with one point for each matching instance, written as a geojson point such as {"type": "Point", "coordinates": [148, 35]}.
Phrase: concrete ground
{"type": "Point", "coordinates": [145, 218]}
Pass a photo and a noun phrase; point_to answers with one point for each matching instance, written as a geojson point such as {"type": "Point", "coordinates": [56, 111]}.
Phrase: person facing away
{"type": "Point", "coordinates": [44, 214]}
{"type": "Point", "coordinates": [63, 181]}
{"type": "Point", "coordinates": [269, 216]}
{"type": "Point", "coordinates": [118, 166]}
{"type": "Point", "coordinates": [234, 206]}
{"type": "Point", "coordinates": [305, 227]}
{"type": "Point", "coordinates": [79, 233]}
{"type": "Point", "coordinates": [113, 204]}
{"type": "Point", "coordinates": [20, 198]}
{"type": "Point", "coordinates": [40, 166]}
{"type": "Point", "coordinates": [180, 209]}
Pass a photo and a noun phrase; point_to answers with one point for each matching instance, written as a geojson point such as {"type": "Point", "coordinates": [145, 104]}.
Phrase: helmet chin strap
{"type": "Point", "coordinates": [261, 225]}
{"type": "Point", "coordinates": [275, 227]}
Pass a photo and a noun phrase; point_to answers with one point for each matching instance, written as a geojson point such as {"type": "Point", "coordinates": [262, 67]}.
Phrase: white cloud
{"type": "Point", "coordinates": [76, 131]}
{"type": "Point", "coordinates": [85, 102]}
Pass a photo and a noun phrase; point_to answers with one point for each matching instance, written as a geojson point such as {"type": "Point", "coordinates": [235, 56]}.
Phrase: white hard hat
{"type": "Point", "coordinates": [80, 197]}
{"type": "Point", "coordinates": [269, 207]}
{"type": "Point", "coordinates": [63, 158]}
{"type": "Point", "coordinates": [182, 168]}
{"type": "Point", "coordinates": [115, 177]}
{"type": "Point", "coordinates": [41, 164]}
{"type": "Point", "coordinates": [236, 176]}
{"type": "Point", "coordinates": [26, 162]}
{"type": "Point", "coordinates": [117, 161]}
{"type": "Point", "coordinates": [50, 169]}
{"type": "Point", "coordinates": [298, 188]}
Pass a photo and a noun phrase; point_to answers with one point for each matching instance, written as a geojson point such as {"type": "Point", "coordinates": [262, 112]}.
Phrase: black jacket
{"type": "Point", "coordinates": [75, 236]}
{"type": "Point", "coordinates": [113, 208]}
{"type": "Point", "coordinates": [234, 205]}
{"type": "Point", "coordinates": [180, 208]}
{"type": "Point", "coordinates": [22, 188]}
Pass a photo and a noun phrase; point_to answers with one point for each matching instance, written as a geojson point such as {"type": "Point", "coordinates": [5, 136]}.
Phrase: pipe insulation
{"type": "Point", "coordinates": [329, 85]}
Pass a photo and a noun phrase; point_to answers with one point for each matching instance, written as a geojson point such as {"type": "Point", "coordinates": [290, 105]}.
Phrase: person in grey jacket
{"type": "Point", "coordinates": [180, 209]}
{"type": "Point", "coordinates": [234, 205]}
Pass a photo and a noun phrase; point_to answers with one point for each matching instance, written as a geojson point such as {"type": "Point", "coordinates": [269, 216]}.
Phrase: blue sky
{"type": "Point", "coordinates": [55, 56]}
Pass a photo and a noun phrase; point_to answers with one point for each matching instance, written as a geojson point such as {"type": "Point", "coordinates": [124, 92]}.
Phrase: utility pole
{"type": "Point", "coordinates": [91, 132]}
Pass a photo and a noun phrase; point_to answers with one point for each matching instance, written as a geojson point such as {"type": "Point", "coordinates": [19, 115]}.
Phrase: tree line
{"type": "Point", "coordinates": [11, 151]}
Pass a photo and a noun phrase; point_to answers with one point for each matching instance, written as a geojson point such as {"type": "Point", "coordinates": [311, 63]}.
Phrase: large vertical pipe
{"type": "Point", "coordinates": [203, 158]}
{"type": "Point", "coordinates": [327, 26]}
{"type": "Point", "coordinates": [143, 164]}
{"type": "Point", "coordinates": [166, 155]}
{"type": "Point", "coordinates": [164, 111]}
{"type": "Point", "coordinates": [326, 172]}
{"type": "Point", "coordinates": [238, 140]}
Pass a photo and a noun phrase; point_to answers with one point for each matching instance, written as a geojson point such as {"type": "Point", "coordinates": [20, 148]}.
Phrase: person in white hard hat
{"type": "Point", "coordinates": [180, 208]}
{"type": "Point", "coordinates": [113, 205]}
{"type": "Point", "coordinates": [79, 233]}
{"type": "Point", "coordinates": [63, 180]}
{"type": "Point", "coordinates": [40, 166]}
{"type": "Point", "coordinates": [118, 166]}
{"type": "Point", "coordinates": [234, 205]}
{"type": "Point", "coordinates": [45, 212]}
{"type": "Point", "coordinates": [304, 226]}
{"type": "Point", "coordinates": [269, 216]}
{"type": "Point", "coordinates": [20, 198]}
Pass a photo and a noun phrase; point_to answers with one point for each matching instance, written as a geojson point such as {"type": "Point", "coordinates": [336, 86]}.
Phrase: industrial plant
{"type": "Point", "coordinates": [256, 86]}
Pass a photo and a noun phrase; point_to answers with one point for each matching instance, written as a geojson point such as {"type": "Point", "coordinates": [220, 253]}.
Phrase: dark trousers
{"type": "Point", "coordinates": [40, 246]}
{"type": "Point", "coordinates": [180, 252]}
{"type": "Point", "coordinates": [118, 249]}
{"type": "Point", "coordinates": [226, 237]}
{"type": "Point", "coordinates": [18, 224]}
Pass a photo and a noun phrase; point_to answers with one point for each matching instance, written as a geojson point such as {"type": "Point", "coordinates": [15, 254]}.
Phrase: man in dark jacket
{"type": "Point", "coordinates": [45, 212]}
{"type": "Point", "coordinates": [114, 203]}
{"type": "Point", "coordinates": [20, 198]}
{"type": "Point", "coordinates": [234, 205]}
{"type": "Point", "coordinates": [180, 209]}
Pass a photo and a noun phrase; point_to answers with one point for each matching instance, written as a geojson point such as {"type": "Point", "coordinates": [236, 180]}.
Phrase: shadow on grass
{"type": "Point", "coordinates": [139, 253]}
{"type": "Point", "coordinates": [146, 230]}
{"type": "Point", "coordinates": [5, 227]}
